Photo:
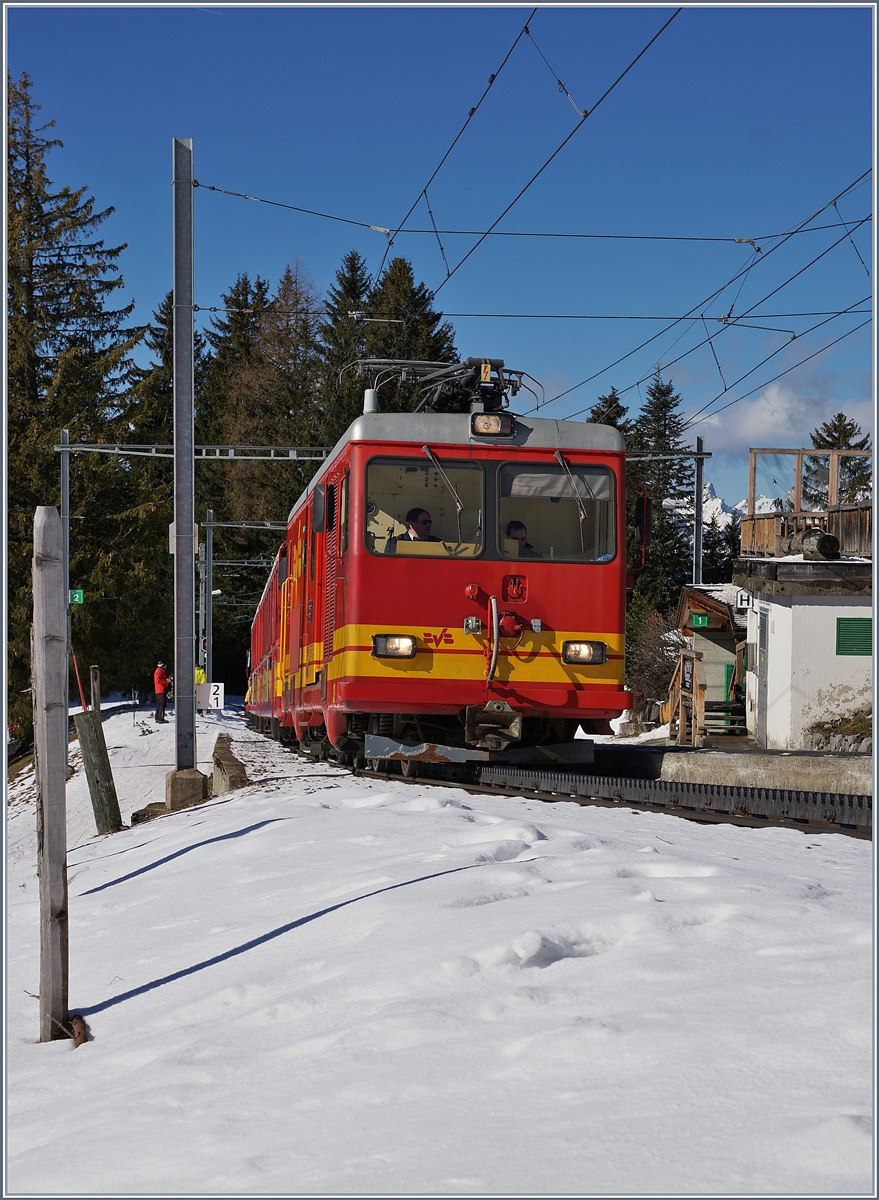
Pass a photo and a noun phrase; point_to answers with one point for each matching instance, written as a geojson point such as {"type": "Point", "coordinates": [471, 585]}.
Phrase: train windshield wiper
{"type": "Point", "coordinates": [581, 511]}
{"type": "Point", "coordinates": [459, 505]}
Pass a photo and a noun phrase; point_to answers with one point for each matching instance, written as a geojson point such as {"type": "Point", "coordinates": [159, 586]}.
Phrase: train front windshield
{"type": "Point", "coordinates": [543, 511]}
{"type": "Point", "coordinates": [422, 511]}
{"type": "Point", "coordinates": [553, 512]}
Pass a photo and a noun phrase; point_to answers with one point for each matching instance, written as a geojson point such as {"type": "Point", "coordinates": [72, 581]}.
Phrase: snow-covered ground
{"type": "Point", "coordinates": [322, 985]}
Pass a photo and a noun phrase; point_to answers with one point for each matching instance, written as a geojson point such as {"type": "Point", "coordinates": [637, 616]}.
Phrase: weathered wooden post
{"type": "Point", "coordinates": [96, 761]}
{"type": "Point", "coordinates": [49, 669]}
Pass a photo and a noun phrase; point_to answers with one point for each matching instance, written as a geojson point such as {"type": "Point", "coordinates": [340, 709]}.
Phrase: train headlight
{"type": "Point", "coordinates": [584, 652]}
{"type": "Point", "coordinates": [393, 645]}
{"type": "Point", "coordinates": [491, 424]}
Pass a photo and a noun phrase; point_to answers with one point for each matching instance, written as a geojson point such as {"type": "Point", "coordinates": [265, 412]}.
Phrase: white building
{"type": "Point", "coordinates": [809, 644]}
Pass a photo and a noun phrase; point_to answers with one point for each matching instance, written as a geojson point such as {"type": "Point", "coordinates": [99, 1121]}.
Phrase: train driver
{"type": "Point", "coordinates": [518, 532]}
{"type": "Point", "coordinates": [418, 526]}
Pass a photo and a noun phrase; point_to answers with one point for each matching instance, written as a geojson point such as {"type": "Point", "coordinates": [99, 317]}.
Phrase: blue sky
{"type": "Point", "coordinates": [738, 122]}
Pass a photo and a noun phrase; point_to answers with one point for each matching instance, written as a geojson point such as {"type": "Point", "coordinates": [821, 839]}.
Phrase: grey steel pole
{"type": "Point", "coordinates": [199, 652]}
{"type": "Point", "coordinates": [65, 513]}
{"type": "Point", "coordinates": [209, 596]}
{"type": "Point", "coordinates": [65, 567]}
{"type": "Point", "coordinates": [184, 463]}
{"type": "Point", "coordinates": [697, 529]}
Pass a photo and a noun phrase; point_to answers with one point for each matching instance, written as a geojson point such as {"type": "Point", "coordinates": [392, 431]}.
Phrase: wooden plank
{"type": "Point", "coordinates": [49, 654]}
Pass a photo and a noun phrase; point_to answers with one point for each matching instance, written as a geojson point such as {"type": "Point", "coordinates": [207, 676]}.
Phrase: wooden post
{"type": "Point", "coordinates": [833, 481]}
{"type": "Point", "coordinates": [95, 686]}
{"type": "Point", "coordinates": [96, 761]}
{"type": "Point", "coordinates": [798, 483]}
{"type": "Point", "coordinates": [49, 648]}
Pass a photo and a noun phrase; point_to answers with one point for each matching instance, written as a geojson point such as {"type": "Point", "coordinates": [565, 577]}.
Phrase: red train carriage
{"type": "Point", "coordinates": [452, 584]}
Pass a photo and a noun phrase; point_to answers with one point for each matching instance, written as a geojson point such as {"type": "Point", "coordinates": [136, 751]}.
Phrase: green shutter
{"type": "Point", "coordinates": [727, 678]}
{"type": "Point", "coordinates": [854, 635]}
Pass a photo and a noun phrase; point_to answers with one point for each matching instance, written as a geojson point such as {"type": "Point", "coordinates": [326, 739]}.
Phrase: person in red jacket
{"type": "Point", "coordinates": [160, 686]}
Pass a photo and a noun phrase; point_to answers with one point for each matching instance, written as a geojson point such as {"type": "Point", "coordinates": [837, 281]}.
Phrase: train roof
{"type": "Point", "coordinates": [438, 429]}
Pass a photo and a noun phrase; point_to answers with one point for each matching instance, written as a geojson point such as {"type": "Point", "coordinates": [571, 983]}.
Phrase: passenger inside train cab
{"type": "Point", "coordinates": [418, 527]}
{"type": "Point", "coordinates": [566, 509]}
{"type": "Point", "coordinates": [519, 533]}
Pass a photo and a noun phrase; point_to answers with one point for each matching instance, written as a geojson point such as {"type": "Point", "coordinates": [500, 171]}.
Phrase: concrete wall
{"type": "Point", "coordinates": [807, 680]}
{"type": "Point", "coordinates": [825, 684]}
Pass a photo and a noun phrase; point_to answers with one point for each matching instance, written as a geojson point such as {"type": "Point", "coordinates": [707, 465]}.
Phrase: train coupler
{"type": "Point", "coordinates": [493, 726]}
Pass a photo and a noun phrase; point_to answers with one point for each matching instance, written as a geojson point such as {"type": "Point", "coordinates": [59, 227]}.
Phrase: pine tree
{"type": "Point", "coordinates": [658, 429]}
{"type": "Point", "coordinates": [855, 474]}
{"type": "Point", "coordinates": [732, 543]}
{"type": "Point", "coordinates": [405, 325]}
{"type": "Point", "coordinates": [262, 387]}
{"type": "Point", "coordinates": [714, 558]}
{"type": "Point", "coordinates": [68, 366]}
{"type": "Point", "coordinates": [610, 410]}
{"type": "Point", "coordinates": [343, 342]}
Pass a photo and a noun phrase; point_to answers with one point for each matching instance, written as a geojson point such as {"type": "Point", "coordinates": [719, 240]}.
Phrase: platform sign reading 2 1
{"type": "Point", "coordinates": [209, 695]}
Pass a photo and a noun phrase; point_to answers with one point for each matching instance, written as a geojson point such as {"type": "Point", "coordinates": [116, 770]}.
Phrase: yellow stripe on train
{"type": "Point", "coordinates": [452, 654]}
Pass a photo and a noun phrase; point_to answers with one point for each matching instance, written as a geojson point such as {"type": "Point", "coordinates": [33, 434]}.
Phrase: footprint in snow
{"type": "Point", "coordinates": [536, 949]}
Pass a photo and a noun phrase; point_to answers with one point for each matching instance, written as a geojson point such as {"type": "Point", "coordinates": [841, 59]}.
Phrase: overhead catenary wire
{"type": "Point", "coordinates": [292, 207]}
{"type": "Point", "coordinates": [784, 238]}
{"type": "Point", "coordinates": [852, 240]}
{"type": "Point", "coordinates": [581, 112]}
{"type": "Point", "coordinates": [730, 324]}
{"type": "Point", "coordinates": [470, 115]}
{"type": "Point", "coordinates": [432, 294]}
{"type": "Point", "coordinates": [619, 237]}
{"type": "Point", "coordinates": [827, 312]}
{"type": "Point", "coordinates": [504, 233]}
{"type": "Point", "coordinates": [587, 114]}
{"type": "Point", "coordinates": [733, 323]}
{"type": "Point", "coordinates": [692, 421]}
{"type": "Point", "coordinates": [778, 350]}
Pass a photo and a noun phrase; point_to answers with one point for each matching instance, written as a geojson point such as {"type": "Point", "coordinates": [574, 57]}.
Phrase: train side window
{"type": "Point", "coordinates": [343, 515]}
{"type": "Point", "coordinates": [404, 494]}
{"type": "Point", "coordinates": [282, 566]}
{"type": "Point", "coordinates": [303, 533]}
{"type": "Point", "coordinates": [553, 512]}
{"type": "Point", "coordinates": [331, 508]}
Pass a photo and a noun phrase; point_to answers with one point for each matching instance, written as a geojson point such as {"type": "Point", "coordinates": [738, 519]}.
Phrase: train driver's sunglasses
{"type": "Point", "coordinates": [424, 521]}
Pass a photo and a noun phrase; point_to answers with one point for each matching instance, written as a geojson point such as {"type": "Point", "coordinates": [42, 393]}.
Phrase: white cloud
{"type": "Point", "coordinates": [780, 415]}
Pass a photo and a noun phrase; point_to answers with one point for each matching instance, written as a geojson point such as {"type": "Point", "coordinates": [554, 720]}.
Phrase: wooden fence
{"type": "Point", "coordinates": [851, 524]}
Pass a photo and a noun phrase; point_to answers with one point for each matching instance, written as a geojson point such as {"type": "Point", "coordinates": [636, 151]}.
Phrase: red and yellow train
{"type": "Point", "coordinates": [452, 583]}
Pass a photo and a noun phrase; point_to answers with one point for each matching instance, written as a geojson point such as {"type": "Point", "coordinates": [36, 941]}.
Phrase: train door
{"type": "Point", "coordinates": [314, 615]}
{"type": "Point", "coordinates": [330, 565]}
{"type": "Point", "coordinates": [296, 588]}
{"type": "Point", "coordinates": [280, 680]}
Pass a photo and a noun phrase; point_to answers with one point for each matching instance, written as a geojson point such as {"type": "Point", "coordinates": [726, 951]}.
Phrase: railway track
{"type": "Point", "coordinates": [715, 804]}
